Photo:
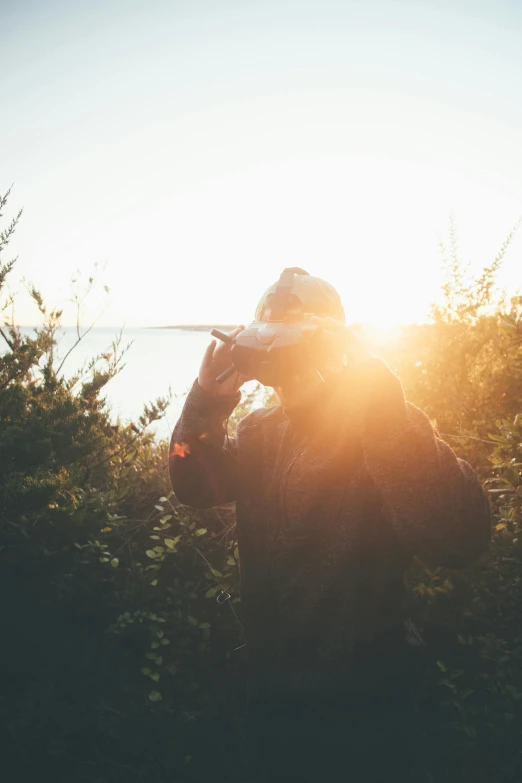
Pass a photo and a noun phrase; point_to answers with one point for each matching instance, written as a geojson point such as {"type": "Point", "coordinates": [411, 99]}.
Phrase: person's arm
{"type": "Point", "coordinates": [202, 462]}
{"type": "Point", "coordinates": [434, 500]}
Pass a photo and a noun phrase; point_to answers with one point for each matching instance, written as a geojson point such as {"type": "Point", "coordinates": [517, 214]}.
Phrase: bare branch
{"type": "Point", "coordinates": [9, 343]}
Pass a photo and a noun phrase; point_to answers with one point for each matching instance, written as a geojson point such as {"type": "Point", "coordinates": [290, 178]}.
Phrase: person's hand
{"type": "Point", "coordinates": [355, 348]}
{"type": "Point", "coordinates": [216, 359]}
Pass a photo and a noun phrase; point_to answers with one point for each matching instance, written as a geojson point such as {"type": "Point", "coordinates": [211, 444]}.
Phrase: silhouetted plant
{"type": "Point", "coordinates": [123, 654]}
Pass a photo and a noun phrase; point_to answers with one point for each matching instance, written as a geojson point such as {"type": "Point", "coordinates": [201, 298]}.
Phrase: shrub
{"type": "Point", "coordinates": [123, 654]}
{"type": "Point", "coordinates": [99, 566]}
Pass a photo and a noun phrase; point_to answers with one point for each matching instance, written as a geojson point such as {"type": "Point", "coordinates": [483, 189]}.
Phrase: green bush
{"type": "Point", "coordinates": [123, 655]}
{"type": "Point", "coordinates": [109, 585]}
{"type": "Point", "coordinates": [472, 623]}
{"type": "Point", "coordinates": [465, 368]}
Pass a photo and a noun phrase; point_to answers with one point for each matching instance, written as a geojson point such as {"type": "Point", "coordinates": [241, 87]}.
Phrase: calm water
{"type": "Point", "coordinates": [157, 359]}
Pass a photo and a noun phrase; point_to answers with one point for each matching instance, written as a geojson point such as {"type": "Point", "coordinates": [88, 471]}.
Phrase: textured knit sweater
{"type": "Point", "coordinates": [333, 499]}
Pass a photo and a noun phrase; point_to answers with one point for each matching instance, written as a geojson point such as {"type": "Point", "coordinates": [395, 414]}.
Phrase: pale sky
{"type": "Point", "coordinates": [197, 148]}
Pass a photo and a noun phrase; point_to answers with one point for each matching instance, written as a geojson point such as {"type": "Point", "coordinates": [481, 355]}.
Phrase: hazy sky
{"type": "Point", "coordinates": [199, 147]}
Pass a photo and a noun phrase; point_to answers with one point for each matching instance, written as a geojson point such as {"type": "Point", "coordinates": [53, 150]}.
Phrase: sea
{"type": "Point", "coordinates": [156, 363]}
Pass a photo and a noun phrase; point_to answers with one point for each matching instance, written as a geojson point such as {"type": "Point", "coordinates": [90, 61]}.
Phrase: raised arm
{"type": "Point", "coordinates": [434, 500]}
{"type": "Point", "coordinates": [202, 464]}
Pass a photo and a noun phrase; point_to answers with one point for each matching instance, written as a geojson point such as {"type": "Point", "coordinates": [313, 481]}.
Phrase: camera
{"type": "Point", "coordinates": [275, 350]}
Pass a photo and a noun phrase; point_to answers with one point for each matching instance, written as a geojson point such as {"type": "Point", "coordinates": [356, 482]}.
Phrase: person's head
{"type": "Point", "coordinates": [306, 295]}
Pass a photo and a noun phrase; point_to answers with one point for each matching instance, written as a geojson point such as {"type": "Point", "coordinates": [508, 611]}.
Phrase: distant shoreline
{"type": "Point", "coordinates": [182, 327]}
{"type": "Point", "coordinates": [197, 327]}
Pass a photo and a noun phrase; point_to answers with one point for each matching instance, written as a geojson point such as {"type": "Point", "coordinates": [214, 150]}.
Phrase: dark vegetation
{"type": "Point", "coordinates": [121, 653]}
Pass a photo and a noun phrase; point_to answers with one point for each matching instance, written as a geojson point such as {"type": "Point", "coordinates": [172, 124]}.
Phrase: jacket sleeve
{"type": "Point", "coordinates": [202, 461]}
{"type": "Point", "coordinates": [434, 500]}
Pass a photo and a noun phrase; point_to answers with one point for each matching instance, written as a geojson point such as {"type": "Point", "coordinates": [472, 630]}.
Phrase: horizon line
{"type": "Point", "coordinates": [210, 325]}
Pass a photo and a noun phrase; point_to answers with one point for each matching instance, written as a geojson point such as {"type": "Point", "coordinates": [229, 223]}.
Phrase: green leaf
{"type": "Point", "coordinates": [115, 562]}
{"type": "Point", "coordinates": [155, 696]}
{"type": "Point", "coordinates": [146, 671]}
{"type": "Point", "coordinates": [500, 526]}
{"type": "Point", "coordinates": [192, 621]}
{"type": "Point", "coordinates": [211, 592]}
{"type": "Point", "coordinates": [201, 531]}
{"type": "Point", "coordinates": [204, 625]}
{"type": "Point", "coordinates": [160, 508]}
{"type": "Point", "coordinates": [150, 553]}
{"type": "Point", "coordinates": [165, 518]}
{"type": "Point", "coordinates": [154, 676]}
{"type": "Point", "coordinates": [164, 641]}
{"type": "Point", "coordinates": [154, 582]}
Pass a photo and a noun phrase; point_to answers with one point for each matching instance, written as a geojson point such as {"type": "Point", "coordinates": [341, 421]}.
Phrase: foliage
{"type": "Point", "coordinates": [472, 622]}
{"type": "Point", "coordinates": [123, 655]}
{"type": "Point", "coordinates": [468, 377]}
{"type": "Point", "coordinates": [464, 369]}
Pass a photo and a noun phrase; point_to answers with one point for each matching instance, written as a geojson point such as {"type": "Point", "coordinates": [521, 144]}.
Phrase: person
{"type": "Point", "coordinates": [337, 488]}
